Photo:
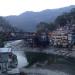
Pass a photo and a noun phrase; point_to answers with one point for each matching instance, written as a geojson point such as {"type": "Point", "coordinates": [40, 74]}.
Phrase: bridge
{"type": "Point", "coordinates": [17, 35]}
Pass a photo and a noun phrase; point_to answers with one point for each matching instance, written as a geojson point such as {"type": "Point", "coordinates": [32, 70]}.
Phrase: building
{"type": "Point", "coordinates": [60, 37]}
{"type": "Point", "coordinates": [6, 57]}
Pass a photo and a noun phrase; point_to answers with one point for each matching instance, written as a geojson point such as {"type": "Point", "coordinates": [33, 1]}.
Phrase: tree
{"type": "Point", "coordinates": [51, 26]}
{"type": "Point", "coordinates": [42, 27]}
{"type": "Point", "coordinates": [5, 27]}
{"type": "Point", "coordinates": [65, 18]}
{"type": "Point", "coordinates": [61, 20]}
{"type": "Point", "coordinates": [45, 27]}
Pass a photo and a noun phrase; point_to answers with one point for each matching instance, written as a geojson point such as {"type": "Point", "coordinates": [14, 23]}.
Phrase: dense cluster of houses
{"type": "Point", "coordinates": [63, 36]}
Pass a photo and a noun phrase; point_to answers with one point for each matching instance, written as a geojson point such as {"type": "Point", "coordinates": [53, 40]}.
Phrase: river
{"type": "Point", "coordinates": [17, 47]}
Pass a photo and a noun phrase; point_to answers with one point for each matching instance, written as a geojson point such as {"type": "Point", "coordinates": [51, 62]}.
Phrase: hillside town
{"type": "Point", "coordinates": [50, 49]}
{"type": "Point", "coordinates": [61, 37]}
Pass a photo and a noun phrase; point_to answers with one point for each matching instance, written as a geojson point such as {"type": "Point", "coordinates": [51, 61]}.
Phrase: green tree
{"type": "Point", "coordinates": [45, 27]}
{"type": "Point", "coordinates": [65, 18]}
{"type": "Point", "coordinates": [42, 27]}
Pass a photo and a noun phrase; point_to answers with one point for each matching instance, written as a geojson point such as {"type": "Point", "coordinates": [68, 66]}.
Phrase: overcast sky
{"type": "Point", "coordinates": [16, 7]}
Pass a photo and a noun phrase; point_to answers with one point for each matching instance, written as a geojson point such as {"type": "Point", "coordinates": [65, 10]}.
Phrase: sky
{"type": "Point", "coordinates": [16, 7]}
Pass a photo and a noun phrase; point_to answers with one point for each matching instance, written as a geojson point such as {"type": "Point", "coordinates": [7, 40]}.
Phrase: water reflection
{"type": "Point", "coordinates": [54, 69]}
{"type": "Point", "coordinates": [61, 67]}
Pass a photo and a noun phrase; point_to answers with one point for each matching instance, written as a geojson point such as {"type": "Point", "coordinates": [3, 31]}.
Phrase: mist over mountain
{"type": "Point", "coordinates": [27, 21]}
{"type": "Point", "coordinates": [5, 26]}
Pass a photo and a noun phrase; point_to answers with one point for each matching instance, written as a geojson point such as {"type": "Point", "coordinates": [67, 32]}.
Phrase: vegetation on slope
{"type": "Point", "coordinates": [61, 20]}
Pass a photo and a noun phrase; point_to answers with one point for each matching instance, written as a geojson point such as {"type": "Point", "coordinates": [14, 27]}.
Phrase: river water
{"type": "Point", "coordinates": [16, 47]}
{"type": "Point", "coordinates": [22, 60]}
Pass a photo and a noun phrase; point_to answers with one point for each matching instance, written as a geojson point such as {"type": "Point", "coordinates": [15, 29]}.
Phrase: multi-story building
{"type": "Point", "coordinates": [60, 37]}
{"type": "Point", "coordinates": [64, 35]}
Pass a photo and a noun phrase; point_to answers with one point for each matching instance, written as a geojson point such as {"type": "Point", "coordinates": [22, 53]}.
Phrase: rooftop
{"type": "Point", "coordinates": [4, 50]}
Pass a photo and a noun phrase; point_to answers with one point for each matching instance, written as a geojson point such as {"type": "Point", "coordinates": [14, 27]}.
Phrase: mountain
{"type": "Point", "coordinates": [5, 26]}
{"type": "Point", "coordinates": [27, 21]}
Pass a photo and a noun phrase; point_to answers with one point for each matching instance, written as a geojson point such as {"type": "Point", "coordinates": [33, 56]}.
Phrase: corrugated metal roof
{"type": "Point", "coordinates": [3, 50]}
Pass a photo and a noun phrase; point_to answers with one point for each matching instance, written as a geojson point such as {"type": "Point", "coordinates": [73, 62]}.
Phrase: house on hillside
{"type": "Point", "coordinates": [60, 37]}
